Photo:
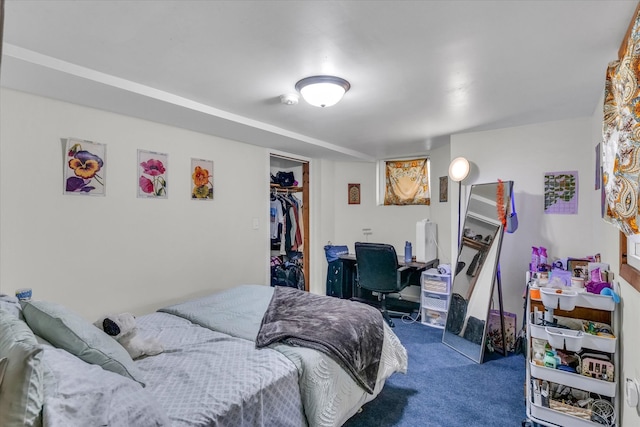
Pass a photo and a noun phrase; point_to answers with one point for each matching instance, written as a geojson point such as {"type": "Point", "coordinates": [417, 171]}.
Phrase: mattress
{"type": "Point", "coordinates": [207, 378]}
{"type": "Point", "coordinates": [204, 378]}
{"type": "Point", "coordinates": [329, 395]}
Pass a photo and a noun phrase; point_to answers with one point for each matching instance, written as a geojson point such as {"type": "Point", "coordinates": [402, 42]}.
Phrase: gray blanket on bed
{"type": "Point", "coordinates": [349, 332]}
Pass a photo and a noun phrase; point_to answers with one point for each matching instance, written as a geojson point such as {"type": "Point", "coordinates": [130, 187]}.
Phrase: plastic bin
{"type": "Point", "coordinates": [564, 338]}
{"type": "Point", "coordinates": [558, 298]}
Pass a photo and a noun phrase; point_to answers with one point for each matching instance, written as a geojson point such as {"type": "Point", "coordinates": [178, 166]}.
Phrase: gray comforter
{"type": "Point", "coordinates": [330, 395]}
{"type": "Point", "coordinates": [203, 378]}
{"type": "Point", "coordinates": [349, 332]}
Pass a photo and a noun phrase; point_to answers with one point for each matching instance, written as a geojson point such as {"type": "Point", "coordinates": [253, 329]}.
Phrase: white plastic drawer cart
{"type": "Point", "coordinates": [434, 298]}
{"type": "Point", "coordinates": [598, 379]}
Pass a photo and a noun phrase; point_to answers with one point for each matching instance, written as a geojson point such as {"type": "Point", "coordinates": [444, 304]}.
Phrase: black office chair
{"type": "Point", "coordinates": [378, 271]}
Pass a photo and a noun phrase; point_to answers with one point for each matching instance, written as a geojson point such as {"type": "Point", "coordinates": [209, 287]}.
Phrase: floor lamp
{"type": "Point", "coordinates": [458, 170]}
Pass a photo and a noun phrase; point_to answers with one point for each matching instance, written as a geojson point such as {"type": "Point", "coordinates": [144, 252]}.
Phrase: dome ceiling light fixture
{"type": "Point", "coordinates": [322, 91]}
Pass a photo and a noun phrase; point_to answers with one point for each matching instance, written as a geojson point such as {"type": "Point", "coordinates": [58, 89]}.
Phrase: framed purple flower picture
{"type": "Point", "coordinates": [84, 167]}
{"type": "Point", "coordinates": [152, 174]}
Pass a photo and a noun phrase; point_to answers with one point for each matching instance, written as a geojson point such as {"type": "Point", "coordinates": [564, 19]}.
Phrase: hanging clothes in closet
{"type": "Point", "coordinates": [287, 237]}
{"type": "Point", "coordinates": [286, 225]}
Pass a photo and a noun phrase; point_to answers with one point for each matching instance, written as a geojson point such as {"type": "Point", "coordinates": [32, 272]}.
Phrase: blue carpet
{"type": "Point", "coordinates": [443, 388]}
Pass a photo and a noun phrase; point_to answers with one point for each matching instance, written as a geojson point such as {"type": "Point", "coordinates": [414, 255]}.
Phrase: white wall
{"type": "Point", "coordinates": [389, 224]}
{"type": "Point", "coordinates": [120, 253]}
{"type": "Point", "coordinates": [441, 211]}
{"type": "Point", "coordinates": [523, 154]}
{"type": "Point", "coordinates": [321, 220]}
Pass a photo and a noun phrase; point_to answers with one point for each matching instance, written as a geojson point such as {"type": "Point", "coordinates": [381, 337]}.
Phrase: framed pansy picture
{"type": "Point", "coordinates": [201, 179]}
{"type": "Point", "coordinates": [152, 174]}
{"type": "Point", "coordinates": [84, 167]}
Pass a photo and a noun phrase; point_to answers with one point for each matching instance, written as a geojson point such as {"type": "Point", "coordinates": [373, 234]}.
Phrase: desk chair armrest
{"type": "Point", "coordinates": [403, 275]}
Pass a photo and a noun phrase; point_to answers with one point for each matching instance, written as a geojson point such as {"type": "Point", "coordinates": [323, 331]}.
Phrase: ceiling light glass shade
{"type": "Point", "coordinates": [322, 91]}
{"type": "Point", "coordinates": [458, 169]}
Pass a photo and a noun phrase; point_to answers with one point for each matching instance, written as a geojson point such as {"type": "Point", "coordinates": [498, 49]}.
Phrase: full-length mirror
{"type": "Point", "coordinates": [473, 292]}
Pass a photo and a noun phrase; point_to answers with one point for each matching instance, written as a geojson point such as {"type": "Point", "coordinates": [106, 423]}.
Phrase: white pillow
{"type": "Point", "coordinates": [11, 304]}
{"type": "Point", "coordinates": [67, 330]}
{"type": "Point", "coordinates": [21, 386]}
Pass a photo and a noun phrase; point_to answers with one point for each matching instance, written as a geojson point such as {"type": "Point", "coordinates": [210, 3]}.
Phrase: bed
{"type": "Point", "coordinates": [60, 370]}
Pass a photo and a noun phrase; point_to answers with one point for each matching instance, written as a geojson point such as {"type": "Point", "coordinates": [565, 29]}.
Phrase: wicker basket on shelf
{"type": "Point", "coordinates": [575, 411]}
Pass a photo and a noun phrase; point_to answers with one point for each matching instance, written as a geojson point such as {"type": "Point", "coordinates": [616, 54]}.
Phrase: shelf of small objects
{"type": "Point", "coordinates": [572, 379]}
{"type": "Point", "coordinates": [569, 406]}
{"type": "Point", "coordinates": [591, 335]}
{"type": "Point", "coordinates": [562, 416]}
{"type": "Point", "coordinates": [569, 368]}
{"type": "Point", "coordinates": [569, 298]}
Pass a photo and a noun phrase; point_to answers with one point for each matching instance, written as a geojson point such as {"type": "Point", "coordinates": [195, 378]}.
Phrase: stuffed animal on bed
{"type": "Point", "coordinates": [122, 328]}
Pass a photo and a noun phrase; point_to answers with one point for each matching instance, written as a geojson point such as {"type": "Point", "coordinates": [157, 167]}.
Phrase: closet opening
{"type": "Point", "coordinates": [289, 222]}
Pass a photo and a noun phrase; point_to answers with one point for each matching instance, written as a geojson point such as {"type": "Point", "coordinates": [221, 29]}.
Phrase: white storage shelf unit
{"type": "Point", "coordinates": [434, 300]}
{"type": "Point", "coordinates": [572, 341]}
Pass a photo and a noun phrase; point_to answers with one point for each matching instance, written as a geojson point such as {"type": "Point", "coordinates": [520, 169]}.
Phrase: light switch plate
{"type": "Point", "coordinates": [631, 392]}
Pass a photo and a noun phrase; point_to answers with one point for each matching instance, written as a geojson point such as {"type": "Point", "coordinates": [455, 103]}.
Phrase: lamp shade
{"type": "Point", "coordinates": [458, 169]}
{"type": "Point", "coordinates": [322, 91]}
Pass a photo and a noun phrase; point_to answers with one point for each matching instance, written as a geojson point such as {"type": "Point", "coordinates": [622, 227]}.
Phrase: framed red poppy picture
{"type": "Point", "coordinates": [152, 174]}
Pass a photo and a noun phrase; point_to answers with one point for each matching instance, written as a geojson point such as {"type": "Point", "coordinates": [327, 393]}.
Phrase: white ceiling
{"type": "Point", "coordinates": [419, 70]}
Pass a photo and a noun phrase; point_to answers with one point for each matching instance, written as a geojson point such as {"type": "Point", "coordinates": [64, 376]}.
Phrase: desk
{"type": "Point", "coordinates": [413, 264]}
{"type": "Point", "coordinates": [342, 282]}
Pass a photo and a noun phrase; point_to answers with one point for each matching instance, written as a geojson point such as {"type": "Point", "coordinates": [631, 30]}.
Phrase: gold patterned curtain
{"type": "Point", "coordinates": [621, 137]}
{"type": "Point", "coordinates": [407, 182]}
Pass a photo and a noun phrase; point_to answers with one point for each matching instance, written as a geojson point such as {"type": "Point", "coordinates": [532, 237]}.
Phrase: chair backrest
{"type": "Point", "coordinates": [377, 266]}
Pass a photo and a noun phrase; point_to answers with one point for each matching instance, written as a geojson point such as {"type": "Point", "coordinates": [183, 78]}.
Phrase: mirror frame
{"type": "Point", "coordinates": [495, 286]}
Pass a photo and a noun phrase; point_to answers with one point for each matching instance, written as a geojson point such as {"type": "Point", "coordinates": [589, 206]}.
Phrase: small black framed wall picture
{"type": "Point", "coordinates": [444, 188]}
